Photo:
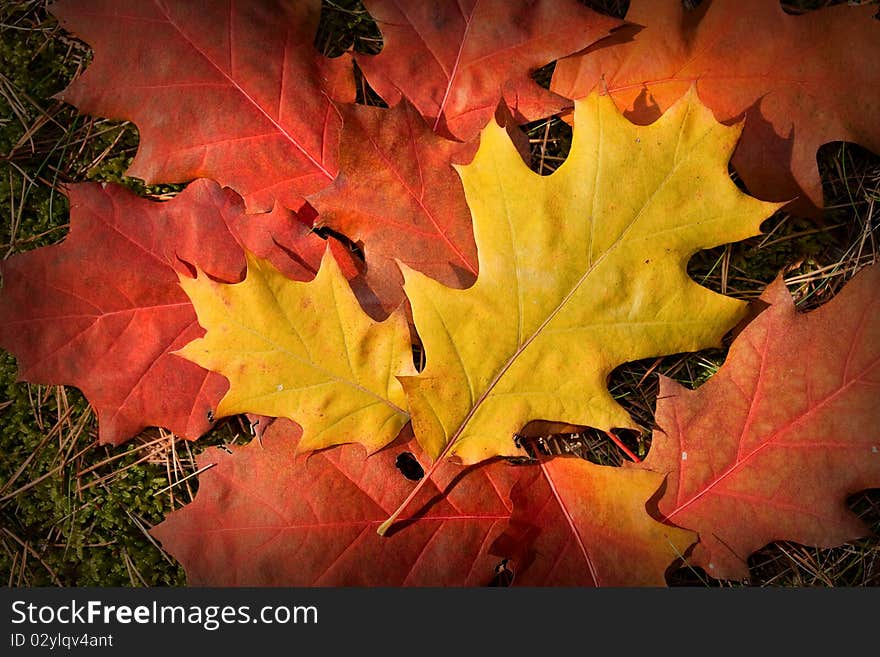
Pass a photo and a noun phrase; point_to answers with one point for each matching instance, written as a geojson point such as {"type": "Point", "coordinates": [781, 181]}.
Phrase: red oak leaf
{"type": "Point", "coordinates": [579, 524]}
{"type": "Point", "coordinates": [103, 310]}
{"type": "Point", "coordinates": [235, 92]}
{"type": "Point", "coordinates": [770, 447]}
{"type": "Point", "coordinates": [455, 59]}
{"type": "Point", "coordinates": [268, 516]}
{"type": "Point", "coordinates": [283, 238]}
{"type": "Point", "coordinates": [800, 81]}
{"type": "Point", "coordinates": [398, 193]}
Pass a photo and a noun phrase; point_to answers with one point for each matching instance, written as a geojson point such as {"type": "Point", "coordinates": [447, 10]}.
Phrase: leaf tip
{"type": "Point", "coordinates": [776, 294]}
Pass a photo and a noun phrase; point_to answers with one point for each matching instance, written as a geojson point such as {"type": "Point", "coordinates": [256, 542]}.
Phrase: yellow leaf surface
{"type": "Point", "coordinates": [580, 271]}
{"type": "Point", "coordinates": [304, 351]}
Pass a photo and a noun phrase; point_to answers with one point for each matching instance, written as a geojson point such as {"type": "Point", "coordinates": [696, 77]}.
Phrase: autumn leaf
{"type": "Point", "coordinates": [800, 81]}
{"type": "Point", "coordinates": [305, 351]}
{"type": "Point", "coordinates": [287, 240]}
{"type": "Point", "coordinates": [579, 272]}
{"type": "Point", "coordinates": [771, 446]}
{"type": "Point", "coordinates": [267, 515]}
{"type": "Point", "coordinates": [575, 523]}
{"type": "Point", "coordinates": [234, 92]}
{"type": "Point", "coordinates": [454, 60]}
{"type": "Point", "coordinates": [398, 193]}
{"type": "Point", "coordinates": [103, 310]}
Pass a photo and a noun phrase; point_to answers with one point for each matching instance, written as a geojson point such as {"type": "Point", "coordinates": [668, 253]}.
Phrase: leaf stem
{"type": "Point", "coordinates": [385, 526]}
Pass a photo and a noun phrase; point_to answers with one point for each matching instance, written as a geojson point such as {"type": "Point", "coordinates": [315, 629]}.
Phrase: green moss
{"type": "Point", "coordinates": [85, 532]}
{"type": "Point", "coordinates": [85, 535]}
{"type": "Point", "coordinates": [64, 145]}
{"type": "Point", "coordinates": [80, 535]}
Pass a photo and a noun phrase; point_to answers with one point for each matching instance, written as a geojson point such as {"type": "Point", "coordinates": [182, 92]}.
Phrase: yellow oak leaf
{"type": "Point", "coordinates": [580, 271]}
{"type": "Point", "coordinates": [304, 351]}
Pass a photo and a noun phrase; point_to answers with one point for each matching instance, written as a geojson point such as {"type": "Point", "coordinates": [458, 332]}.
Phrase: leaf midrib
{"type": "Point", "coordinates": [310, 363]}
{"type": "Point", "coordinates": [287, 135]}
{"type": "Point", "coordinates": [769, 441]}
{"type": "Point", "coordinates": [574, 289]}
{"type": "Point", "coordinates": [572, 525]}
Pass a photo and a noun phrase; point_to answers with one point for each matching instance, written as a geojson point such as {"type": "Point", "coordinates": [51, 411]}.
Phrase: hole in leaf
{"type": "Point", "coordinates": [549, 143]}
{"type": "Point", "coordinates": [685, 575]}
{"type": "Point", "coordinates": [366, 95]}
{"type": "Point", "coordinates": [543, 75]}
{"type": "Point", "coordinates": [503, 575]}
{"type": "Point", "coordinates": [418, 357]}
{"type": "Point", "coordinates": [616, 8]}
{"type": "Point", "coordinates": [355, 247]}
{"type": "Point", "coordinates": [346, 24]}
{"type": "Point", "coordinates": [796, 7]}
{"type": "Point", "coordinates": [409, 467]}
{"type": "Point", "coordinates": [589, 444]}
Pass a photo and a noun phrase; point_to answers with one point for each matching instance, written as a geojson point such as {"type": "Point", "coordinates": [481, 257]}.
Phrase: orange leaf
{"type": "Point", "coordinates": [398, 193]}
{"type": "Point", "coordinates": [770, 447]}
{"type": "Point", "coordinates": [265, 516]}
{"type": "Point", "coordinates": [455, 59]}
{"type": "Point", "coordinates": [800, 81]}
{"type": "Point", "coordinates": [229, 91]}
{"type": "Point", "coordinates": [575, 523]}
